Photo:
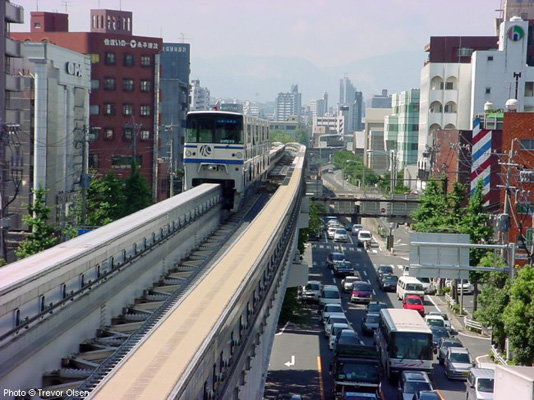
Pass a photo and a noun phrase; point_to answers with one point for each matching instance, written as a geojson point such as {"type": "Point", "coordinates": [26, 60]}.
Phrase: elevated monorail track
{"type": "Point", "coordinates": [49, 303]}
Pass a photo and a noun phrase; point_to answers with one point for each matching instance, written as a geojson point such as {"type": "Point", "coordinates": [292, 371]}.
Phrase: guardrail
{"type": "Point", "coordinates": [497, 356]}
{"type": "Point", "coordinates": [473, 325]}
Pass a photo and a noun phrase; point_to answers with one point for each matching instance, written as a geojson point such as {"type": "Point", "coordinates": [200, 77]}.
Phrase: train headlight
{"type": "Point", "coordinates": [239, 155]}
{"type": "Point", "coordinates": [187, 153]}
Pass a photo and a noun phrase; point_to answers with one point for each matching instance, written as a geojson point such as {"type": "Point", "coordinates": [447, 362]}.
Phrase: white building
{"type": "Point", "coordinates": [61, 82]}
{"type": "Point", "coordinates": [375, 155]}
{"type": "Point", "coordinates": [505, 73]}
{"type": "Point", "coordinates": [199, 97]}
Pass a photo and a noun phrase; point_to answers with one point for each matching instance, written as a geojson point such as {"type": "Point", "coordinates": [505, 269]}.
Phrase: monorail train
{"type": "Point", "coordinates": [228, 148]}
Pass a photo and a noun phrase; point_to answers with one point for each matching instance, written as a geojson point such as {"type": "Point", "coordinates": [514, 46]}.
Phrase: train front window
{"type": "Point", "coordinates": [213, 128]}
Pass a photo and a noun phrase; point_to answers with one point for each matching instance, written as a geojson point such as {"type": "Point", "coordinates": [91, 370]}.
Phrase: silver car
{"type": "Point", "coordinates": [457, 363]}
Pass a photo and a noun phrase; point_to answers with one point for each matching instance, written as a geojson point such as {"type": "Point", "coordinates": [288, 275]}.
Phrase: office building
{"type": "Point", "coordinates": [124, 82]}
{"type": "Point", "coordinates": [199, 97]}
{"type": "Point", "coordinates": [288, 104]}
{"type": "Point", "coordinates": [174, 105]}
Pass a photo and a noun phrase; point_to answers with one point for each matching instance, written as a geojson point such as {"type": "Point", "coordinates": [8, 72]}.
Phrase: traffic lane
{"type": "Point", "coordinates": [295, 365]}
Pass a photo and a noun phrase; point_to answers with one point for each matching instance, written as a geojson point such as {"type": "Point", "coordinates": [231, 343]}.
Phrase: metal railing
{"type": "Point", "coordinates": [473, 325]}
{"type": "Point", "coordinates": [497, 357]}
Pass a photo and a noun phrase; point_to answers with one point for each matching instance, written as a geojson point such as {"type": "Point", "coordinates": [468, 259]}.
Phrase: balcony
{"type": "Point", "coordinates": [12, 48]}
{"type": "Point", "coordinates": [13, 83]}
{"type": "Point", "coordinates": [14, 13]}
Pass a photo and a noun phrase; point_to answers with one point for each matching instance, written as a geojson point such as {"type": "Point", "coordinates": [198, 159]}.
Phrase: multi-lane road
{"type": "Point", "coordinates": [301, 358]}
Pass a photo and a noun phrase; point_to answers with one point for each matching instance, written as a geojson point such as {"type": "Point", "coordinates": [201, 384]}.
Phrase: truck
{"type": "Point", "coordinates": [355, 368]}
{"type": "Point", "coordinates": [513, 382]}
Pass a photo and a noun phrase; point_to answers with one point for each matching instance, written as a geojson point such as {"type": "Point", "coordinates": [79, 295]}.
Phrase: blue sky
{"type": "Point", "coordinates": [326, 33]}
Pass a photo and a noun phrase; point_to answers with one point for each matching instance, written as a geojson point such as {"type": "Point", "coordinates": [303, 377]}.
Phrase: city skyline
{"type": "Point", "coordinates": [333, 38]}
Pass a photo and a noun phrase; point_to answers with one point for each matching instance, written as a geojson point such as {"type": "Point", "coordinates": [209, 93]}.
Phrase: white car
{"type": "Point", "coordinates": [330, 309]}
{"type": "Point", "coordinates": [332, 230]}
{"type": "Point", "coordinates": [442, 315]}
{"type": "Point", "coordinates": [435, 320]}
{"type": "Point", "coordinates": [340, 235]}
{"type": "Point", "coordinates": [365, 236]}
{"type": "Point", "coordinates": [466, 287]}
{"type": "Point", "coordinates": [336, 318]}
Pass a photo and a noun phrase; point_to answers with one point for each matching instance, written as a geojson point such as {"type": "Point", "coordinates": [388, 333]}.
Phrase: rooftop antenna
{"type": "Point", "coordinates": [65, 3]}
{"type": "Point", "coordinates": [184, 37]}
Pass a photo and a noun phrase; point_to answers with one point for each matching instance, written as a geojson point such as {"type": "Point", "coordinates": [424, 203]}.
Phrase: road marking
{"type": "Point", "coordinates": [282, 330]}
{"type": "Point", "coordinates": [319, 369]}
{"type": "Point", "coordinates": [290, 363]}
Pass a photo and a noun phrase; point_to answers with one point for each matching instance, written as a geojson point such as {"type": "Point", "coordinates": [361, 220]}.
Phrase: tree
{"type": "Point", "coordinates": [105, 200]}
{"type": "Point", "coordinates": [475, 222]}
{"type": "Point", "coordinates": [42, 234]}
{"type": "Point", "coordinates": [431, 215]}
{"type": "Point", "coordinates": [493, 298]}
{"type": "Point", "coordinates": [137, 193]}
{"type": "Point", "coordinates": [518, 317]}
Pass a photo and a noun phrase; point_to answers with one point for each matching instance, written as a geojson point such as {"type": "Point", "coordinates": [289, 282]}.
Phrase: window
{"type": "Point", "coordinates": [449, 85]}
{"type": "Point", "coordinates": [145, 85]}
{"type": "Point", "coordinates": [95, 83]}
{"type": "Point", "coordinates": [128, 60]}
{"type": "Point", "coordinates": [144, 134]}
{"type": "Point", "coordinates": [146, 61]}
{"type": "Point", "coordinates": [109, 84]}
{"type": "Point", "coordinates": [109, 109]}
{"type": "Point", "coordinates": [145, 111]}
{"type": "Point", "coordinates": [94, 109]}
{"type": "Point", "coordinates": [127, 109]}
{"type": "Point", "coordinates": [37, 25]}
{"type": "Point", "coordinates": [122, 161]}
{"type": "Point", "coordinates": [109, 133]}
{"type": "Point", "coordinates": [110, 59]}
{"type": "Point", "coordinates": [488, 90]}
{"type": "Point", "coordinates": [93, 160]}
{"type": "Point", "coordinates": [465, 52]}
{"type": "Point", "coordinates": [95, 58]}
{"type": "Point", "coordinates": [128, 85]}
{"type": "Point", "coordinates": [526, 144]}
{"type": "Point", "coordinates": [127, 133]}
{"type": "Point", "coordinates": [490, 58]}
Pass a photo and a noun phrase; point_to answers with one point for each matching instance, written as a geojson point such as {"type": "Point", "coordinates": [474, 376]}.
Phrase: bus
{"type": "Point", "coordinates": [404, 342]}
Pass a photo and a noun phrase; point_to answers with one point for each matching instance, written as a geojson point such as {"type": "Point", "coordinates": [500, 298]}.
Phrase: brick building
{"type": "Point", "coordinates": [124, 87]}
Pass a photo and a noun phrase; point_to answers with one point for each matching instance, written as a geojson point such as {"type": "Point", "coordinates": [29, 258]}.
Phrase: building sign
{"type": "Point", "coordinates": [73, 69]}
{"type": "Point", "coordinates": [515, 33]}
{"type": "Point", "coordinates": [132, 43]}
{"type": "Point", "coordinates": [175, 49]}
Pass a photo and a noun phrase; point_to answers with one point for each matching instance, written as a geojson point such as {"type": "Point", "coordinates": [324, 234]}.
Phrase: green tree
{"type": "Point", "coordinates": [518, 317]}
{"type": "Point", "coordinates": [493, 298]}
{"type": "Point", "coordinates": [279, 136]}
{"type": "Point", "coordinates": [105, 200]}
{"type": "Point", "coordinates": [137, 193]}
{"type": "Point", "coordinates": [431, 215]}
{"type": "Point", "coordinates": [42, 234]}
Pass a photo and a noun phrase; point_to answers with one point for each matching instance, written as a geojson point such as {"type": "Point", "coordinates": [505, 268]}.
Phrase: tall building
{"type": "Point", "coordinates": [351, 98]}
{"type": "Point", "coordinates": [288, 104]}
{"type": "Point", "coordinates": [199, 97]}
{"type": "Point", "coordinates": [53, 145]}
{"type": "Point", "coordinates": [10, 117]}
{"type": "Point", "coordinates": [375, 155]}
{"type": "Point", "coordinates": [380, 100]}
{"type": "Point", "coordinates": [124, 86]}
{"type": "Point", "coordinates": [445, 90]}
{"type": "Point", "coordinates": [174, 104]}
{"type": "Point", "coordinates": [402, 127]}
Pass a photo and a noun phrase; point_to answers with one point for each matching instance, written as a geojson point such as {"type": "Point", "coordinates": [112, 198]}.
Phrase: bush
{"type": "Point", "coordinates": [444, 290]}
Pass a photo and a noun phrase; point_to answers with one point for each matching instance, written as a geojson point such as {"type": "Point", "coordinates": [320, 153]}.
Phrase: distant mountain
{"type": "Point", "coordinates": [262, 78]}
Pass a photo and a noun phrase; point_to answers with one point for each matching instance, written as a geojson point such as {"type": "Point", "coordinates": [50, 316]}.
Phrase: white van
{"type": "Point", "coordinates": [409, 285]}
{"type": "Point", "coordinates": [329, 295]}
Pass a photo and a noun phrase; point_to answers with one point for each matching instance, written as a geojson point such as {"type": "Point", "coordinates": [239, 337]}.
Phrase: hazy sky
{"type": "Point", "coordinates": [325, 32]}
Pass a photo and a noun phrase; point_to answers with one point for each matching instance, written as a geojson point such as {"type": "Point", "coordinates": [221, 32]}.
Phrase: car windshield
{"type": "Point", "coordinates": [485, 385]}
{"type": "Point", "coordinates": [439, 332]}
{"type": "Point", "coordinates": [385, 269]}
{"type": "Point", "coordinates": [330, 294]}
{"type": "Point", "coordinates": [336, 320]}
{"type": "Point", "coordinates": [361, 286]}
{"type": "Point", "coordinates": [460, 358]}
{"type": "Point", "coordinates": [414, 387]}
{"type": "Point", "coordinates": [448, 343]}
{"type": "Point", "coordinates": [338, 256]}
{"type": "Point", "coordinates": [333, 308]}
{"type": "Point", "coordinates": [372, 319]}
{"type": "Point", "coordinates": [358, 372]}
{"type": "Point", "coordinates": [435, 322]}
{"type": "Point", "coordinates": [414, 301]}
{"type": "Point", "coordinates": [414, 286]}
{"type": "Point", "coordinates": [376, 307]}
{"type": "Point", "coordinates": [344, 264]}
{"type": "Point", "coordinates": [350, 279]}
{"type": "Point", "coordinates": [391, 278]}
{"type": "Point", "coordinates": [364, 235]}
{"type": "Point", "coordinates": [312, 286]}
{"type": "Point", "coordinates": [341, 232]}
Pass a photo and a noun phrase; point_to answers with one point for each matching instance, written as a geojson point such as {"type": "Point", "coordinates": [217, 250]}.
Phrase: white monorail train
{"type": "Point", "coordinates": [228, 148]}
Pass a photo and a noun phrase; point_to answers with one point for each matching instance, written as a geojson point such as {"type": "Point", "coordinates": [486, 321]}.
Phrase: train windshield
{"type": "Point", "coordinates": [214, 128]}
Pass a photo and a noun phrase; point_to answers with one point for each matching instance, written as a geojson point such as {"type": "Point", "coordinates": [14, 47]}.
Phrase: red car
{"type": "Point", "coordinates": [413, 302]}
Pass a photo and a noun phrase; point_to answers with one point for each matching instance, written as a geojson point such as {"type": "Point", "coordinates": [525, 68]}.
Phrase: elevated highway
{"type": "Point", "coordinates": [195, 322]}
